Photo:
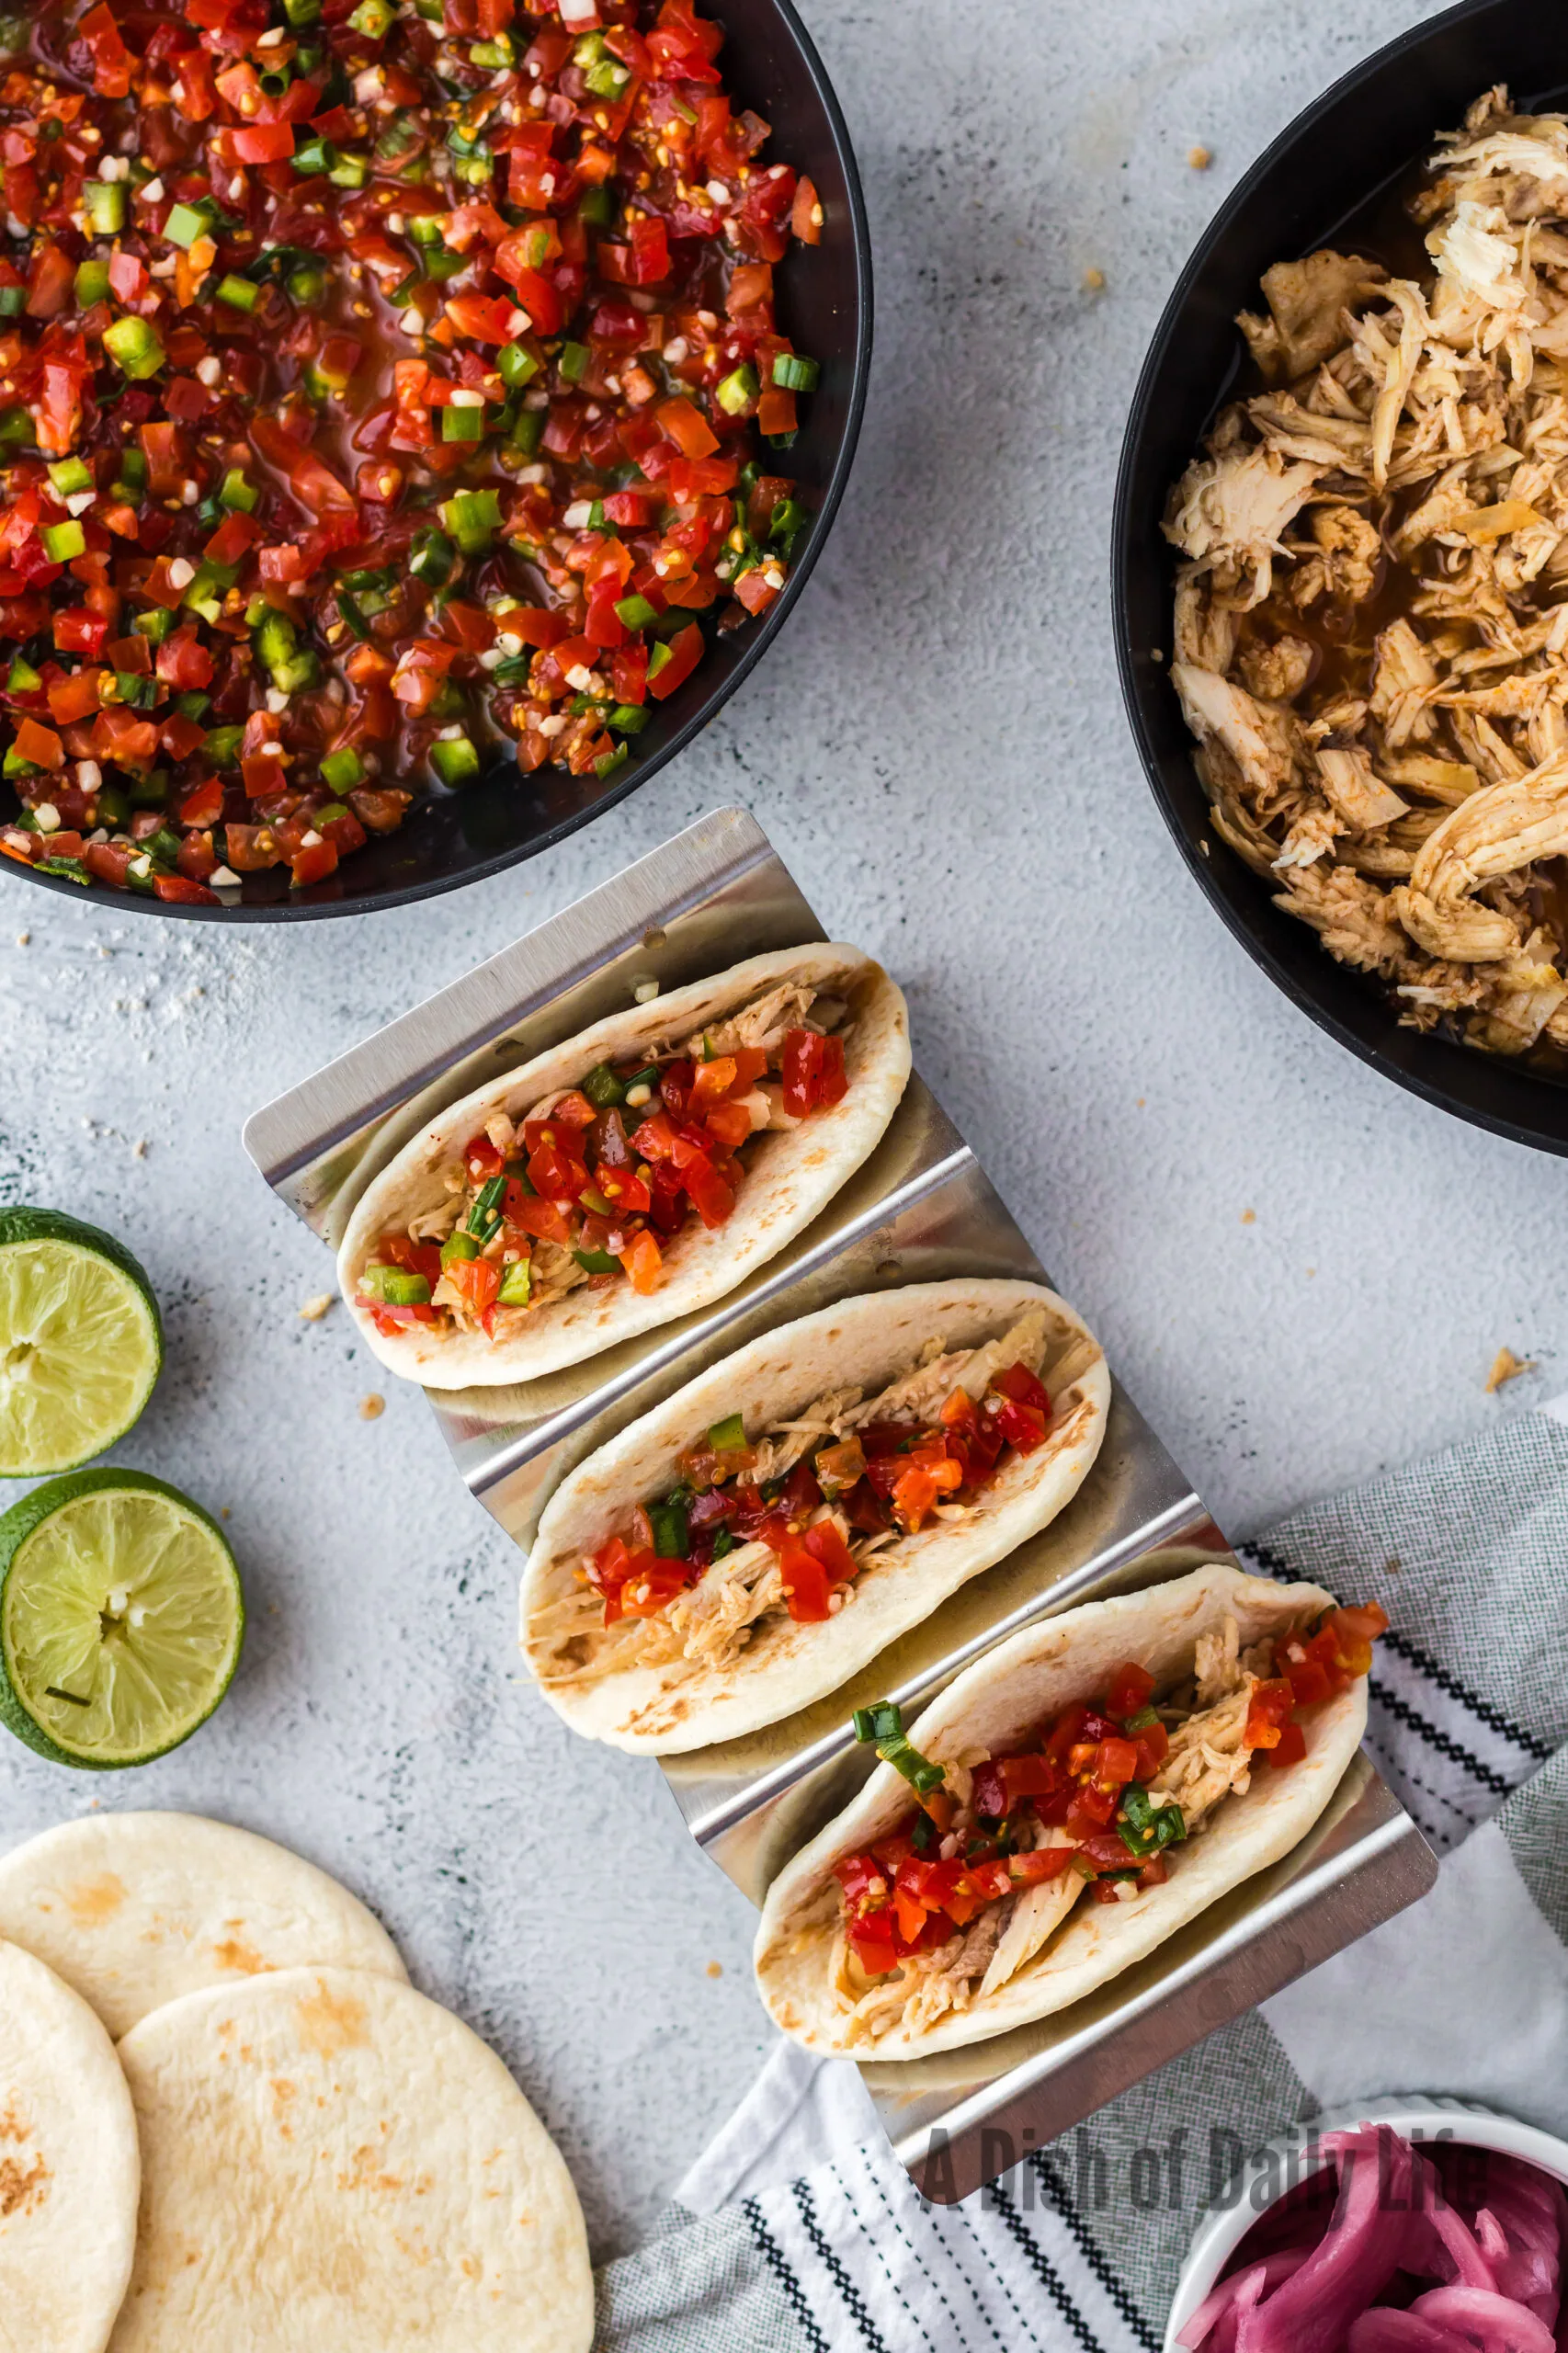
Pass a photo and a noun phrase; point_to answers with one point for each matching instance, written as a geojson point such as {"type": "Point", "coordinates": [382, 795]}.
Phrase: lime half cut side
{"type": "Point", "coordinates": [80, 1342]}
{"type": "Point", "coordinates": [120, 1617]}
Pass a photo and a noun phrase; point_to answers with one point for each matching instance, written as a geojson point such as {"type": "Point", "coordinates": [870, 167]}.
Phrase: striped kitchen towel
{"type": "Point", "coordinates": [797, 2233]}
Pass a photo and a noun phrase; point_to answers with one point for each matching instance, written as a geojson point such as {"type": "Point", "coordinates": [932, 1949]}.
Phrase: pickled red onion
{"type": "Point", "coordinates": [1468, 2246]}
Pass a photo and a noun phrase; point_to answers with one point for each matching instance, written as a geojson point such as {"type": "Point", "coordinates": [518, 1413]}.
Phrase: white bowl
{"type": "Point", "coordinates": [1223, 2229]}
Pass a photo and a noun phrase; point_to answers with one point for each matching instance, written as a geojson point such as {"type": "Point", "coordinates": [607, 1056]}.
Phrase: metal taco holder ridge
{"type": "Point", "coordinates": [921, 1209]}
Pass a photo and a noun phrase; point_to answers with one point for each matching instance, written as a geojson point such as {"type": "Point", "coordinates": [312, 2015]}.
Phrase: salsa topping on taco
{"type": "Point", "coordinates": [783, 1523]}
{"type": "Point", "coordinates": [593, 1184]}
{"type": "Point", "coordinates": [997, 1850]}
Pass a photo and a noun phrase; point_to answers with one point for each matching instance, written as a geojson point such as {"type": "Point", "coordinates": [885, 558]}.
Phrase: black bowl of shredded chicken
{"type": "Point", "coordinates": [1341, 564]}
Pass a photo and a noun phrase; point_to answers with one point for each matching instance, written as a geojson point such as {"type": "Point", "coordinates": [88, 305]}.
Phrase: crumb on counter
{"type": "Point", "coordinates": [372, 1407]}
{"type": "Point", "coordinates": [1200, 158]}
{"type": "Point", "coordinates": [645, 991]}
{"type": "Point", "coordinates": [1094, 280]}
{"type": "Point", "coordinates": [139, 1149]}
{"type": "Point", "coordinates": [715, 1969]}
{"type": "Point", "coordinates": [1249, 1217]}
{"type": "Point", "coordinates": [1507, 1366]}
{"type": "Point", "coordinates": [23, 938]}
{"type": "Point", "coordinates": [314, 1309]}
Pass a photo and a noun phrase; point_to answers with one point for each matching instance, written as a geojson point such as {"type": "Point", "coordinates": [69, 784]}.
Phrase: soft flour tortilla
{"type": "Point", "coordinates": [867, 1342]}
{"type": "Point", "coordinates": [136, 1909]}
{"type": "Point", "coordinates": [999, 1705]}
{"type": "Point", "coordinates": [68, 2171]}
{"type": "Point", "coordinates": [790, 1175]}
{"type": "Point", "coordinates": [331, 2161]}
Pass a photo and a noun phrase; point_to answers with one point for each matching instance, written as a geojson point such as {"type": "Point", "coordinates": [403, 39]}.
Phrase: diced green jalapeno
{"type": "Point", "coordinates": [394, 1285]}
{"type": "Point", "coordinates": [64, 541]}
{"type": "Point", "coordinates": [517, 1281]}
{"type": "Point", "coordinates": [234, 490]}
{"type": "Point", "coordinates": [736, 391]}
{"type": "Point", "coordinates": [341, 769]}
{"type": "Point", "coordinates": [459, 1245]}
{"type": "Point", "coordinates": [222, 747]}
{"type": "Point", "coordinates": [184, 225]}
{"type": "Point", "coordinates": [134, 348]}
{"type": "Point", "coordinates": [71, 475]}
{"type": "Point", "coordinates": [431, 556]}
{"type": "Point", "coordinates": [597, 1262]}
{"type": "Point", "coordinates": [635, 611]}
{"type": "Point", "coordinates": [92, 282]}
{"type": "Point", "coordinates": [455, 759]}
{"type": "Point", "coordinates": [517, 365]}
{"type": "Point", "coordinates": [105, 202]}
{"type": "Point", "coordinates": [602, 1088]}
{"type": "Point", "coordinates": [672, 1540]}
{"type": "Point", "coordinates": [462, 424]}
{"type": "Point", "coordinates": [472, 517]}
{"type": "Point", "coordinates": [728, 1437]}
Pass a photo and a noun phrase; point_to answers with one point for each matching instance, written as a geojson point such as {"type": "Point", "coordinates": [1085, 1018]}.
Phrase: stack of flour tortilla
{"type": "Point", "coordinates": [227, 2119]}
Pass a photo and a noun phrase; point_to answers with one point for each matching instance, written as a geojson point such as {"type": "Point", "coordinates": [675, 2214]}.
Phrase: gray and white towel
{"type": "Point", "coordinates": [797, 2231]}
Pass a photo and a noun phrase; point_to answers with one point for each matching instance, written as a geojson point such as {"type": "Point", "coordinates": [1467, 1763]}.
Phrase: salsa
{"type": "Point", "coordinates": [379, 387]}
{"type": "Point", "coordinates": [1101, 1796]}
{"type": "Point", "coordinates": [595, 1186]}
{"type": "Point", "coordinates": [887, 1477]}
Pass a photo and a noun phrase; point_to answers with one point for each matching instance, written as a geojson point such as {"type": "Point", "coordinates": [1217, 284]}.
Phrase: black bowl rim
{"type": "Point", "coordinates": [1123, 525]}
{"type": "Point", "coordinates": [410, 894]}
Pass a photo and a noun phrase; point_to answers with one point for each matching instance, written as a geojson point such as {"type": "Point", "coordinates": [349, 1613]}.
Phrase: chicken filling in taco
{"type": "Point", "coordinates": [779, 1525]}
{"type": "Point", "coordinates": [593, 1184]}
{"type": "Point", "coordinates": [973, 1885]}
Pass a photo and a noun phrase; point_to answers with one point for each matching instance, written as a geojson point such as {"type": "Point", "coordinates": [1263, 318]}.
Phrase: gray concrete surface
{"type": "Point", "coordinates": [1303, 1274]}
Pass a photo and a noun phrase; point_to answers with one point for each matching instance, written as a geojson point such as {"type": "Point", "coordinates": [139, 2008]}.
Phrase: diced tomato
{"type": "Point", "coordinates": [1023, 1427]}
{"type": "Point", "coordinates": [643, 1260]}
{"type": "Point", "coordinates": [263, 143]}
{"type": "Point", "coordinates": [687, 427]}
{"type": "Point", "coordinates": [685, 653]}
{"type": "Point", "coordinates": [813, 1071]}
{"type": "Point", "coordinates": [1289, 1748]}
{"type": "Point", "coordinates": [1132, 1687]}
{"type": "Point", "coordinates": [204, 806]}
{"type": "Point", "coordinates": [1091, 1809]}
{"type": "Point", "coordinates": [40, 746]}
{"type": "Point", "coordinates": [181, 891]}
{"type": "Point", "coordinates": [73, 697]}
{"type": "Point", "coordinates": [1268, 1712]}
{"type": "Point", "coordinates": [711, 1196]}
{"type": "Point", "coordinates": [805, 213]}
{"type": "Point", "coordinates": [1116, 1761]}
{"type": "Point", "coordinates": [476, 1280]}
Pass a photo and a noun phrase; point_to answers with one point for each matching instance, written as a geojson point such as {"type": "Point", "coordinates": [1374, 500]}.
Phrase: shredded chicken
{"type": "Point", "coordinates": [1371, 620]}
{"type": "Point", "coordinates": [711, 1623]}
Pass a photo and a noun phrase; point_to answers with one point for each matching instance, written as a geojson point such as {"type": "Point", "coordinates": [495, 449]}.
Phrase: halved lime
{"type": "Point", "coordinates": [80, 1346]}
{"type": "Point", "coordinates": [120, 1617]}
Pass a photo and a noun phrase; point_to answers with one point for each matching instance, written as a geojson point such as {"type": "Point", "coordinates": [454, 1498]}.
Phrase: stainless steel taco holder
{"type": "Point", "coordinates": [921, 1209]}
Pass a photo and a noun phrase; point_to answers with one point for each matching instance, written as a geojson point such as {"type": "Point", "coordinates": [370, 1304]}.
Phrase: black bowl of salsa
{"type": "Point", "coordinates": [766, 323]}
{"type": "Point", "coordinates": [1336, 176]}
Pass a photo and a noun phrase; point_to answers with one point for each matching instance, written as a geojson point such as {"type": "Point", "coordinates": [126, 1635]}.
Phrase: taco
{"type": "Point", "coordinates": [1069, 1803]}
{"type": "Point", "coordinates": [639, 1170]}
{"type": "Point", "coordinates": [755, 1541]}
